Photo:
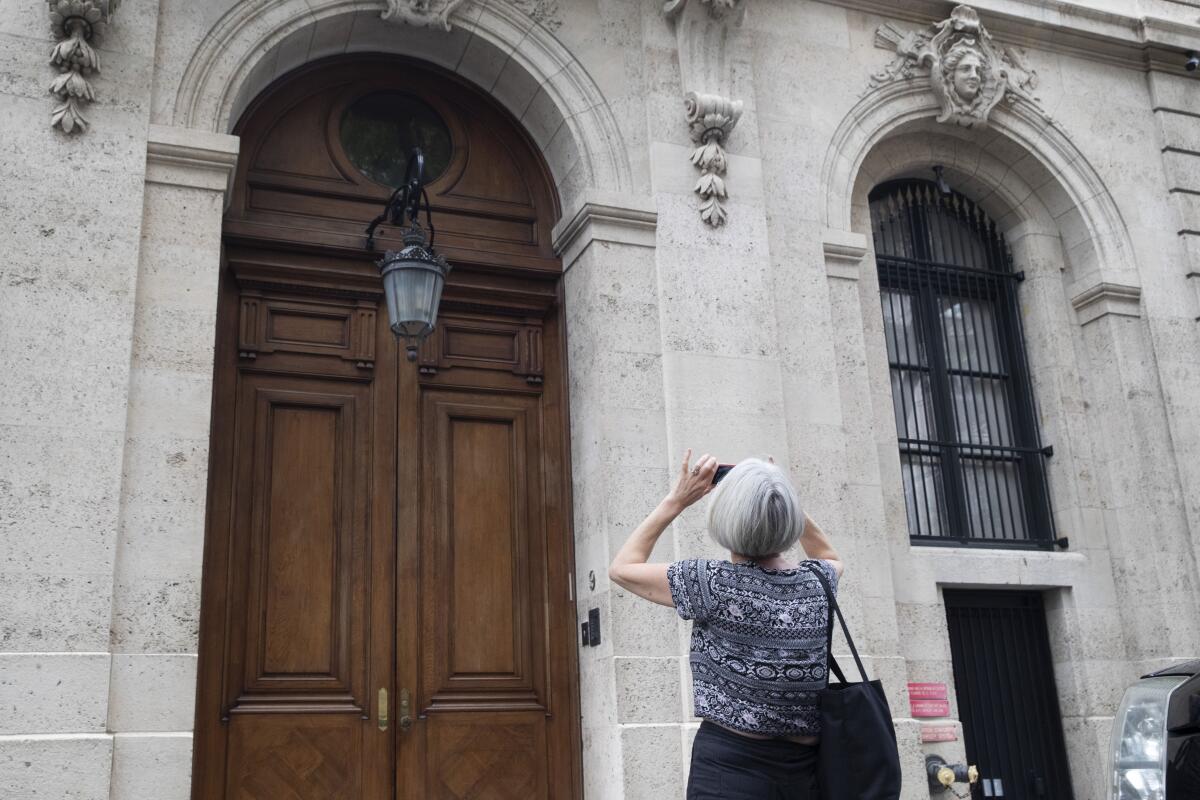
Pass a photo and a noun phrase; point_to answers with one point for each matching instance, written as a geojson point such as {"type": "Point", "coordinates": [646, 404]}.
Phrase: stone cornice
{"type": "Point", "coordinates": [599, 218]}
{"type": "Point", "coordinates": [191, 158]}
{"type": "Point", "coordinates": [1145, 43]}
{"type": "Point", "coordinates": [1103, 299]}
{"type": "Point", "coordinates": [844, 252]}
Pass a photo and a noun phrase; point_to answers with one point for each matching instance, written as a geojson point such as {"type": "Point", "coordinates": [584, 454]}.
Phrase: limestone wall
{"type": "Point", "coordinates": [763, 335]}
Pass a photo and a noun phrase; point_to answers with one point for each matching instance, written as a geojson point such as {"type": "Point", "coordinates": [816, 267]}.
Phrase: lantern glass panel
{"type": "Point", "coordinates": [414, 291]}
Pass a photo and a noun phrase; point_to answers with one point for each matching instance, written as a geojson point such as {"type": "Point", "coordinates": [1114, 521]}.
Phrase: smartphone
{"type": "Point", "coordinates": [722, 471]}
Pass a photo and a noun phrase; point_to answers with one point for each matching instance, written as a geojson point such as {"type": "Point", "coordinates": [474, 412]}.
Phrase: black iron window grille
{"type": "Point", "coordinates": [971, 457]}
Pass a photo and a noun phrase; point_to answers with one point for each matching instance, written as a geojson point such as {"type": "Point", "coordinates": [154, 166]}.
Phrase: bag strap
{"type": "Point", "coordinates": [834, 609]}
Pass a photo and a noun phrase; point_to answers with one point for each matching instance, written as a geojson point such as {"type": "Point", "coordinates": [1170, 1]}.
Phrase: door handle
{"type": "Point", "coordinates": [406, 720]}
{"type": "Point", "coordinates": [383, 710]}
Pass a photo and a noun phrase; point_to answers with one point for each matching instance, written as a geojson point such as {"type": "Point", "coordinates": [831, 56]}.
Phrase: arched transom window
{"type": "Point", "coordinates": [970, 453]}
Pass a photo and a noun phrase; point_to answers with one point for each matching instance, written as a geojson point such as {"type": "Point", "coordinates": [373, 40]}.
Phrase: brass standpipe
{"type": "Point", "coordinates": [943, 776]}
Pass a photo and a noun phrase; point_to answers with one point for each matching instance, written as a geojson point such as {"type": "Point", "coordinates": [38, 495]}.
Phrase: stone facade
{"type": "Point", "coordinates": [720, 289]}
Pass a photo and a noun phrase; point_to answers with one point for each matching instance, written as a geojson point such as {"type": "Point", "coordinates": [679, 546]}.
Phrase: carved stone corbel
{"type": "Point", "coordinates": [968, 72]}
{"type": "Point", "coordinates": [702, 30]}
{"type": "Point", "coordinates": [710, 120]}
{"type": "Point", "coordinates": [75, 24]}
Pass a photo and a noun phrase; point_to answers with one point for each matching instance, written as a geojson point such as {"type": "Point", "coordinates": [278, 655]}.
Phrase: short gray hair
{"type": "Point", "coordinates": [755, 510]}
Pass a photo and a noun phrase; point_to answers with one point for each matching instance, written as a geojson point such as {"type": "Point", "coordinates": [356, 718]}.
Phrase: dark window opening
{"type": "Point", "coordinates": [971, 458]}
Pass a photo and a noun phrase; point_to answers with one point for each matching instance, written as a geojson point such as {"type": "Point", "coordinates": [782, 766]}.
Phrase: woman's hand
{"type": "Point", "coordinates": [694, 482]}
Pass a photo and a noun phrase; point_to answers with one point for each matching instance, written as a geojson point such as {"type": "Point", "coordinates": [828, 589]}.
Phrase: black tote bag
{"type": "Point", "coordinates": [857, 757]}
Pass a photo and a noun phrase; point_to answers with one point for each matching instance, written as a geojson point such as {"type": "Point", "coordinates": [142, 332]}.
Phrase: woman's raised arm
{"type": "Point", "coordinates": [629, 569]}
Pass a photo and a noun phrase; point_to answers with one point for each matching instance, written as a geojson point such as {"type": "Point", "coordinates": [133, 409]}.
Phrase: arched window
{"type": "Point", "coordinates": [970, 451]}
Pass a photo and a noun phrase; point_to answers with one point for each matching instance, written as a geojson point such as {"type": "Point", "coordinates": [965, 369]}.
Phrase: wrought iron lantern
{"type": "Point", "coordinates": [414, 275]}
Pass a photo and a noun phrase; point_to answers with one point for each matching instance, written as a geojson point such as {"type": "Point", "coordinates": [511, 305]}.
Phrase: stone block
{"type": "Point", "coordinates": [542, 118]}
{"type": "Point", "coordinates": [71, 370]}
{"type": "Point", "coordinates": [58, 500]}
{"type": "Point", "coordinates": [703, 384]}
{"type": "Point", "coordinates": [652, 761]}
{"type": "Point", "coordinates": [1087, 739]}
{"type": "Point", "coordinates": [152, 765]}
{"type": "Point", "coordinates": [163, 512]}
{"type": "Point", "coordinates": [597, 687]}
{"type": "Point", "coordinates": [54, 612]}
{"type": "Point", "coordinates": [617, 322]}
{"type": "Point", "coordinates": [152, 692]}
{"type": "Point", "coordinates": [156, 615]}
{"type": "Point", "coordinates": [729, 435]}
{"type": "Point", "coordinates": [633, 379]}
{"type": "Point", "coordinates": [515, 88]}
{"type": "Point", "coordinates": [642, 628]}
{"type": "Point", "coordinates": [53, 692]}
{"type": "Point", "coordinates": [481, 62]}
{"type": "Point", "coordinates": [923, 631]}
{"type": "Point", "coordinates": [175, 337]}
{"type": "Point", "coordinates": [165, 402]}
{"type": "Point", "coordinates": [63, 767]}
{"type": "Point", "coordinates": [915, 784]}
{"type": "Point", "coordinates": [648, 690]}
{"type": "Point", "coordinates": [1180, 131]}
{"type": "Point", "coordinates": [602, 754]}
{"type": "Point", "coordinates": [632, 493]}
{"type": "Point", "coordinates": [1183, 170]}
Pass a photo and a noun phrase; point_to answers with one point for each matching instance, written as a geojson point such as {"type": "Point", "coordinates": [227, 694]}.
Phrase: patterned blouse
{"type": "Point", "coordinates": [758, 642]}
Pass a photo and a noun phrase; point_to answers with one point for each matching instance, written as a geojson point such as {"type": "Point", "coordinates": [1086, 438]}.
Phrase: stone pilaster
{"type": "Point", "coordinates": [156, 603]}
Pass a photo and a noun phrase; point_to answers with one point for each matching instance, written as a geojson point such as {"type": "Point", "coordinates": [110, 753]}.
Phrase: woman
{"type": "Point", "coordinates": [759, 632]}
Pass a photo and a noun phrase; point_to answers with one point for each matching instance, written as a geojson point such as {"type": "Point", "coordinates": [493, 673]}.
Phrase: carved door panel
{"type": "Point", "coordinates": [481, 660]}
{"type": "Point", "coordinates": [296, 638]}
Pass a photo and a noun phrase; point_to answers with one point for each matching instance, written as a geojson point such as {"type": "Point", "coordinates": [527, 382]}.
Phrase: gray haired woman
{"type": "Point", "coordinates": [759, 628]}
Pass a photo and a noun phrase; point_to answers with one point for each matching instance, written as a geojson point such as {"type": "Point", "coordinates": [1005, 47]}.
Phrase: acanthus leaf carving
{"type": "Point", "coordinates": [75, 24]}
{"type": "Point", "coordinates": [968, 72]}
{"type": "Point", "coordinates": [702, 30]}
{"type": "Point", "coordinates": [711, 118]}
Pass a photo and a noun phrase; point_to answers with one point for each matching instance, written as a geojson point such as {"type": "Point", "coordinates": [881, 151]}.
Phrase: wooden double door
{"type": "Point", "coordinates": [387, 608]}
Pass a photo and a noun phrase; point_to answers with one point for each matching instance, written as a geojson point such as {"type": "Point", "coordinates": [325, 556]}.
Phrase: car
{"type": "Point", "coordinates": [1155, 752]}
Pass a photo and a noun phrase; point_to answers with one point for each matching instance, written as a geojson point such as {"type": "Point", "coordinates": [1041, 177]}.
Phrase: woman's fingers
{"type": "Point", "coordinates": [683, 470]}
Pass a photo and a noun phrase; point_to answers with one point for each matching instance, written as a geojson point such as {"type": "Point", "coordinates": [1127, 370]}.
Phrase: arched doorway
{"type": "Point", "coordinates": [386, 604]}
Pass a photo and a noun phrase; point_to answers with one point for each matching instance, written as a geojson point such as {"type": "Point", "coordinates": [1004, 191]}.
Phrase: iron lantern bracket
{"type": "Point", "coordinates": [406, 200]}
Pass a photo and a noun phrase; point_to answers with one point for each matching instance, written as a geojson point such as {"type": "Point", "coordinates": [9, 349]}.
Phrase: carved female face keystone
{"type": "Point", "coordinates": [968, 77]}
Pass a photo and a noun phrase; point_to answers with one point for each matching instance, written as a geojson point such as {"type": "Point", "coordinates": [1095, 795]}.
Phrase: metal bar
{"type": "Point", "coordinates": [971, 420]}
{"type": "Point", "coordinates": [994, 481]}
{"type": "Point", "coordinates": [932, 470]}
{"type": "Point", "coordinates": [1012, 482]}
{"type": "Point", "coordinates": [995, 356]}
{"type": "Point", "coordinates": [1022, 413]}
{"type": "Point", "coordinates": [925, 312]}
{"type": "Point", "coordinates": [903, 261]}
{"type": "Point", "coordinates": [958, 253]}
{"type": "Point", "coordinates": [897, 332]}
{"type": "Point", "coordinates": [983, 449]}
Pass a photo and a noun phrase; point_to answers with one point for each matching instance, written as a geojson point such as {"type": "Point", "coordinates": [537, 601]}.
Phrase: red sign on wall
{"type": "Point", "coordinates": [939, 733]}
{"type": "Point", "coordinates": [930, 708]}
{"type": "Point", "coordinates": [927, 691]}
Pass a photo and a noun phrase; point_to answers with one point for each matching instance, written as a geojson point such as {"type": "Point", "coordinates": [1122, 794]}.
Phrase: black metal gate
{"type": "Point", "coordinates": [1007, 699]}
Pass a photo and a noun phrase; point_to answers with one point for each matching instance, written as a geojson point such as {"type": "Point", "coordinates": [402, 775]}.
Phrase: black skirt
{"type": "Point", "coordinates": [728, 766]}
